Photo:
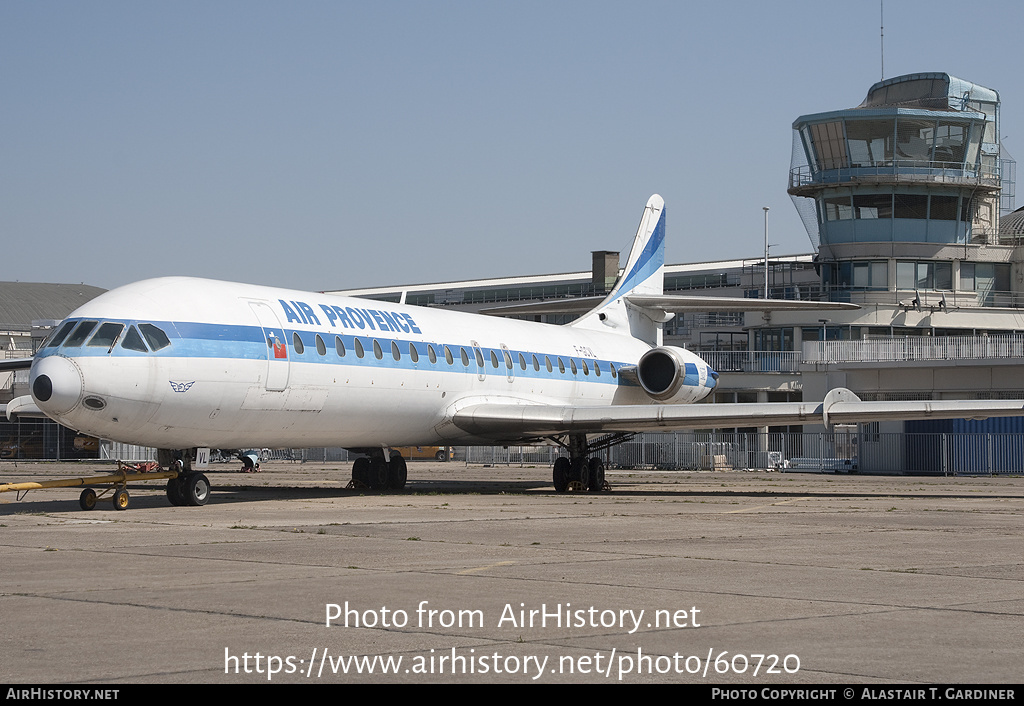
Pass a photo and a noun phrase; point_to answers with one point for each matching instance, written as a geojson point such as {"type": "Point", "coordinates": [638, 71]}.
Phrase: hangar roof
{"type": "Point", "coordinates": [21, 303]}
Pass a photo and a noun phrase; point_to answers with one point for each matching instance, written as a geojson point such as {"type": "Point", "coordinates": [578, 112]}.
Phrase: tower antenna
{"type": "Point", "coordinates": [881, 11]}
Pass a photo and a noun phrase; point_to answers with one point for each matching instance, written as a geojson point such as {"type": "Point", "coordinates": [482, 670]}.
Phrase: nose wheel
{"type": "Point", "coordinates": [190, 489]}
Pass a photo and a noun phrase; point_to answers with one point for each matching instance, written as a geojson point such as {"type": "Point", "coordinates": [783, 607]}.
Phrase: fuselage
{"type": "Point", "coordinates": [180, 362]}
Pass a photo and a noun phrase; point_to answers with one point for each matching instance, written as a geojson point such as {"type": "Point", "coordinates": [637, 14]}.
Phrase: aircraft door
{"type": "Point", "coordinates": [277, 346]}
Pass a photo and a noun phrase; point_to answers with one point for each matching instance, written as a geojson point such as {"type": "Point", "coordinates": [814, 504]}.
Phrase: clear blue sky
{"type": "Point", "coordinates": [328, 145]}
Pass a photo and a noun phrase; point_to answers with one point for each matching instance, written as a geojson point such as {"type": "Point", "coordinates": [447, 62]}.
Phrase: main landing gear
{"type": "Point", "coordinates": [189, 488]}
{"type": "Point", "coordinates": [582, 471]}
{"type": "Point", "coordinates": [376, 472]}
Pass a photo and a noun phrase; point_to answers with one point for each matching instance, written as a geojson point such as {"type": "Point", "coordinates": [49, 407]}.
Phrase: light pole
{"type": "Point", "coordinates": [765, 251]}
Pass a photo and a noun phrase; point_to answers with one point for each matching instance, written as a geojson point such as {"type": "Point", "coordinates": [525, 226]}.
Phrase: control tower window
{"type": "Point", "coordinates": [911, 206]}
{"type": "Point", "coordinates": [914, 140]}
{"type": "Point", "coordinates": [944, 208]}
{"type": "Point", "coordinates": [950, 143]}
{"type": "Point", "coordinates": [829, 145]}
{"type": "Point", "coordinates": [871, 142]}
{"type": "Point", "coordinates": [872, 205]}
{"type": "Point", "coordinates": [838, 208]}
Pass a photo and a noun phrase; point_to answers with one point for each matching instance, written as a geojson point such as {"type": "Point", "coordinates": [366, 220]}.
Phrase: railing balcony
{"type": "Point", "coordinates": [912, 348]}
{"type": "Point", "coordinates": [806, 179]}
{"type": "Point", "coordinates": [752, 361]}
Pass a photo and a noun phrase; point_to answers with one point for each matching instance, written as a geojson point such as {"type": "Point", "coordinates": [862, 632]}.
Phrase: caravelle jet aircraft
{"type": "Point", "coordinates": [180, 363]}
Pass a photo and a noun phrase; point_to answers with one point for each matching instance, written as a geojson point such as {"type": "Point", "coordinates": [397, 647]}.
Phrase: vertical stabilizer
{"type": "Point", "coordinates": [643, 274]}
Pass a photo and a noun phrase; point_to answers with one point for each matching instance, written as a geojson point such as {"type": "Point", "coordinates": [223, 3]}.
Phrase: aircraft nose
{"type": "Point", "coordinates": [56, 384]}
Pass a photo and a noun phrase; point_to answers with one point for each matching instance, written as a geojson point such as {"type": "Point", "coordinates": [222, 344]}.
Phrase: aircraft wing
{"type": "Point", "coordinates": [668, 303]}
{"type": "Point", "coordinates": [841, 406]}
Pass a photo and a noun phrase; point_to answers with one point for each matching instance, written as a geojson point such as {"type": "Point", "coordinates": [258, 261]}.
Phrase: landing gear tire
{"type": "Point", "coordinates": [378, 473]}
{"type": "Point", "coordinates": [121, 499]}
{"type": "Point", "coordinates": [361, 471]}
{"type": "Point", "coordinates": [596, 469]}
{"type": "Point", "coordinates": [560, 474]}
{"type": "Point", "coordinates": [174, 492]}
{"type": "Point", "coordinates": [580, 472]}
{"type": "Point", "coordinates": [398, 473]}
{"type": "Point", "coordinates": [195, 489]}
{"type": "Point", "coordinates": [87, 500]}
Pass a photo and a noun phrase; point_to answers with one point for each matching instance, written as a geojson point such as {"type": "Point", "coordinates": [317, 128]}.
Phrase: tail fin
{"type": "Point", "coordinates": [644, 274]}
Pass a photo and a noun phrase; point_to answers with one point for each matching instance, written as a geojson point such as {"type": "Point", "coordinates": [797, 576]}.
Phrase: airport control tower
{"type": "Point", "coordinates": [901, 196]}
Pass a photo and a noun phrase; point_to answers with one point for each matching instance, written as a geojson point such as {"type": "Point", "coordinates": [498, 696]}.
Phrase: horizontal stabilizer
{"type": "Point", "coordinates": [675, 303]}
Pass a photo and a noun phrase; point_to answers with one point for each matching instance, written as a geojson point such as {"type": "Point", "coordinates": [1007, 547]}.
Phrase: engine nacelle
{"type": "Point", "coordinates": [662, 371]}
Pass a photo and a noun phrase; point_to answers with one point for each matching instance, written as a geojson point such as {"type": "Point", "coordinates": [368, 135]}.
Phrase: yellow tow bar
{"type": "Point", "coordinates": [118, 483]}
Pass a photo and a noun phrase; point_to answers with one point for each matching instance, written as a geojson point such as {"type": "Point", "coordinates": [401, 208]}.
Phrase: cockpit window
{"type": "Point", "coordinates": [155, 337]}
{"type": "Point", "coordinates": [106, 335]}
{"type": "Point", "coordinates": [81, 333]}
{"type": "Point", "coordinates": [60, 334]}
{"type": "Point", "coordinates": [133, 341]}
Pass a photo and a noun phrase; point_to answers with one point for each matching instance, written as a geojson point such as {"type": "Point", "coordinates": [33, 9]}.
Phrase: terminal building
{"type": "Point", "coordinates": [907, 199]}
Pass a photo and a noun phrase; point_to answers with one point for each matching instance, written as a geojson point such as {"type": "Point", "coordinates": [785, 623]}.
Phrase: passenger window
{"type": "Point", "coordinates": [359, 348]}
{"type": "Point", "coordinates": [479, 358]}
{"type": "Point", "coordinates": [321, 349]}
{"type": "Point", "coordinates": [339, 346]}
{"type": "Point", "coordinates": [465, 357]}
{"type": "Point", "coordinates": [60, 334]}
{"type": "Point", "coordinates": [81, 333]}
{"type": "Point", "coordinates": [431, 353]}
{"type": "Point", "coordinates": [536, 363]}
{"type": "Point", "coordinates": [413, 353]}
{"type": "Point", "coordinates": [586, 369]}
{"type": "Point", "coordinates": [133, 341]}
{"type": "Point", "coordinates": [612, 366]}
{"type": "Point", "coordinates": [448, 356]}
{"type": "Point", "coordinates": [494, 359]}
{"type": "Point", "coordinates": [547, 363]}
{"type": "Point", "coordinates": [522, 361]}
{"type": "Point", "coordinates": [395, 353]}
{"type": "Point", "coordinates": [508, 360]}
{"type": "Point", "coordinates": [297, 342]}
{"type": "Point", "coordinates": [561, 366]}
{"type": "Point", "coordinates": [154, 336]}
{"type": "Point", "coordinates": [378, 352]}
{"type": "Point", "coordinates": [597, 369]}
{"type": "Point", "coordinates": [572, 365]}
{"type": "Point", "coordinates": [106, 335]}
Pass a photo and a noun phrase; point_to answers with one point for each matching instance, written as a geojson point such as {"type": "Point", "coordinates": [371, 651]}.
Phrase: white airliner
{"type": "Point", "coordinates": [179, 363]}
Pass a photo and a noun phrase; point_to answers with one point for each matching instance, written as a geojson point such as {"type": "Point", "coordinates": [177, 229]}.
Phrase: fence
{"type": "Point", "coordinates": [849, 451]}
{"type": "Point", "coordinates": [822, 452]}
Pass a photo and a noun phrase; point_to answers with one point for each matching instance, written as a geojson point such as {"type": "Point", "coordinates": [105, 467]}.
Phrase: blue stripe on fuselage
{"type": "Point", "coordinates": [226, 341]}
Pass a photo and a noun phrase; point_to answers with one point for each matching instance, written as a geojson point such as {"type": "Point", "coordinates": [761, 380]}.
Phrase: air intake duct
{"type": "Point", "coordinates": [662, 371]}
